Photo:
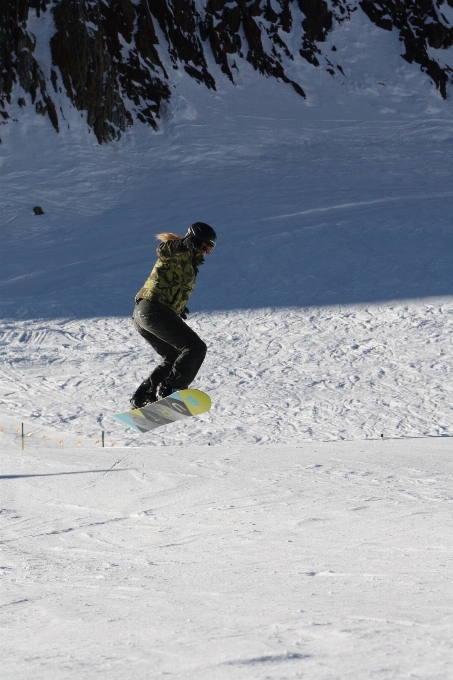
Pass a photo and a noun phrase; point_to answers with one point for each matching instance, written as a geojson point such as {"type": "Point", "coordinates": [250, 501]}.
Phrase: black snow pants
{"type": "Point", "coordinates": [182, 350]}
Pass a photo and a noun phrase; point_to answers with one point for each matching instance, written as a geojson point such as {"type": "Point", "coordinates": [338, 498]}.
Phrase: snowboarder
{"type": "Point", "coordinates": [160, 307]}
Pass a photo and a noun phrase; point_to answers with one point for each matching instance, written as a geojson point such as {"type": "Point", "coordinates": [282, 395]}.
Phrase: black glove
{"type": "Point", "coordinates": [184, 313]}
{"type": "Point", "coordinates": [193, 243]}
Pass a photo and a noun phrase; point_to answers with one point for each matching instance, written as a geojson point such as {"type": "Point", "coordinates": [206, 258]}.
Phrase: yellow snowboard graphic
{"type": "Point", "coordinates": [177, 406]}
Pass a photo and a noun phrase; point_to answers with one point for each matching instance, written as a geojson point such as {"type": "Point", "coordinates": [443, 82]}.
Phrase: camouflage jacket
{"type": "Point", "coordinates": [172, 279]}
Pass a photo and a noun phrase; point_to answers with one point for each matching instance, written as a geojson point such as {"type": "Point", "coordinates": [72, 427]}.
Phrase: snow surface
{"type": "Point", "coordinates": [236, 545]}
{"type": "Point", "coordinates": [328, 560]}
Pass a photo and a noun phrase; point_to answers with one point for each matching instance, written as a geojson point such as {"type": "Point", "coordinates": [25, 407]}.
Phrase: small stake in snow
{"type": "Point", "coordinates": [23, 440]}
{"type": "Point", "coordinates": [382, 436]}
{"type": "Point", "coordinates": [102, 438]}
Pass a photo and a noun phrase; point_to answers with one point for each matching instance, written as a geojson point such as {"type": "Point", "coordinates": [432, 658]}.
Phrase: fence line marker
{"type": "Point", "coordinates": [22, 432]}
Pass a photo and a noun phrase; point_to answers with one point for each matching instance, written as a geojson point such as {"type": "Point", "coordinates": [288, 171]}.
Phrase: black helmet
{"type": "Point", "coordinates": [204, 232]}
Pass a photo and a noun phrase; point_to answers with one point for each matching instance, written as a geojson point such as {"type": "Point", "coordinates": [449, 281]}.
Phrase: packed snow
{"type": "Point", "coordinates": [328, 560]}
{"type": "Point", "coordinates": [302, 527]}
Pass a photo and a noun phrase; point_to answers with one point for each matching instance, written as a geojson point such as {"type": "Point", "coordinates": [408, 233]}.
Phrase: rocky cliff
{"type": "Point", "coordinates": [107, 55]}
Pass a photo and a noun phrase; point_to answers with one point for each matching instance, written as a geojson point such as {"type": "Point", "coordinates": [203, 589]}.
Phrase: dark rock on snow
{"type": "Point", "coordinates": [105, 54]}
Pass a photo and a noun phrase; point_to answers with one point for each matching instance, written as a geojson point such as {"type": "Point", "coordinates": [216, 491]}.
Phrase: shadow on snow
{"type": "Point", "coordinates": [348, 253]}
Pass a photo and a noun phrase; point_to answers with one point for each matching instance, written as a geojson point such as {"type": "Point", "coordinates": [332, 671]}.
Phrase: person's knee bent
{"type": "Point", "coordinates": [198, 347]}
{"type": "Point", "coordinates": [204, 348]}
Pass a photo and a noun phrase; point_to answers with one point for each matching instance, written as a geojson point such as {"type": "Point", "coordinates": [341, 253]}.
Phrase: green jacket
{"type": "Point", "coordinates": [172, 279]}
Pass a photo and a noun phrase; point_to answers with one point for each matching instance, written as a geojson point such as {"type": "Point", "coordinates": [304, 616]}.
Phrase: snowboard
{"type": "Point", "coordinates": [177, 406]}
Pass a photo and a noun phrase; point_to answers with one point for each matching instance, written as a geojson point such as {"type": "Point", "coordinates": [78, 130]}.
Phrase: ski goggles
{"type": "Point", "coordinates": [207, 248]}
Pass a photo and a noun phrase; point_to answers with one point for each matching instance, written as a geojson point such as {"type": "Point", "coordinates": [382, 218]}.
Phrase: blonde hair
{"type": "Point", "coordinates": [167, 236]}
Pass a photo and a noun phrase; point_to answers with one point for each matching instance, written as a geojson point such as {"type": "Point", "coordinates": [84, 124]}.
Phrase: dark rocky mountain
{"type": "Point", "coordinates": [107, 54]}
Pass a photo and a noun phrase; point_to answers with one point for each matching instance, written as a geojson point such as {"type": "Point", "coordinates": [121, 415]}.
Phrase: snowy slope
{"type": "Point", "coordinates": [122, 62]}
{"type": "Point", "coordinates": [327, 308]}
{"type": "Point", "coordinates": [320, 561]}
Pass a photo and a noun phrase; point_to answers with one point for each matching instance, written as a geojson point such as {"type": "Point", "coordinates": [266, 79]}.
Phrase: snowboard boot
{"type": "Point", "coordinates": [165, 389]}
{"type": "Point", "coordinates": [144, 394]}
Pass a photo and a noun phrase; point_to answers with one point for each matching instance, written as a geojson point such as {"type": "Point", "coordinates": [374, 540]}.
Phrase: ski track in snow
{"type": "Point", "coordinates": [274, 376]}
{"type": "Point", "coordinates": [327, 560]}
